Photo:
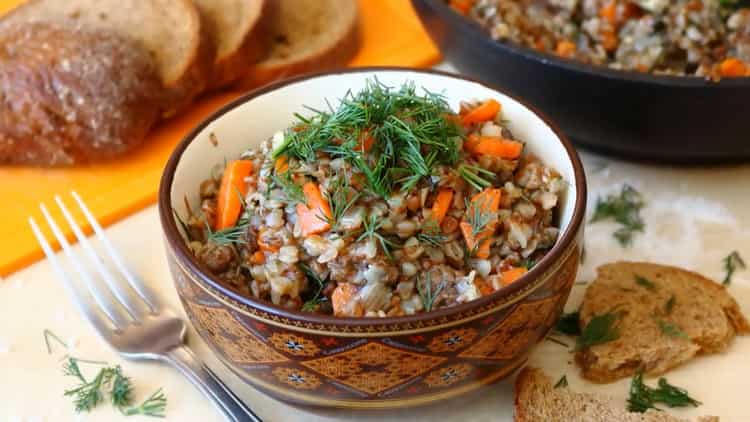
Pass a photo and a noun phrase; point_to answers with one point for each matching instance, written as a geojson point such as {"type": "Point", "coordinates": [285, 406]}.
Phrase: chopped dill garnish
{"type": "Point", "coordinates": [625, 209]}
{"type": "Point", "coordinates": [371, 226]}
{"type": "Point", "coordinates": [313, 304]}
{"type": "Point", "coordinates": [478, 216]}
{"type": "Point", "coordinates": [569, 324]}
{"type": "Point", "coordinates": [600, 329]}
{"type": "Point", "coordinates": [154, 406]}
{"type": "Point", "coordinates": [230, 235]}
{"type": "Point", "coordinates": [476, 176]}
{"type": "Point", "coordinates": [562, 382]}
{"type": "Point", "coordinates": [341, 197]}
{"type": "Point", "coordinates": [671, 330]}
{"type": "Point", "coordinates": [292, 192]}
{"type": "Point", "coordinates": [410, 132]}
{"type": "Point", "coordinates": [732, 263]}
{"type": "Point", "coordinates": [669, 305]}
{"type": "Point", "coordinates": [427, 292]}
{"type": "Point", "coordinates": [49, 334]}
{"type": "Point", "coordinates": [431, 234]}
{"type": "Point", "coordinates": [642, 397]}
{"type": "Point", "coordinates": [643, 281]}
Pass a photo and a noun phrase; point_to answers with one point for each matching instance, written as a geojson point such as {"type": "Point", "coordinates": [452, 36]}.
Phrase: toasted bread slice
{"type": "Point", "coordinates": [171, 30]}
{"type": "Point", "coordinates": [69, 96]}
{"type": "Point", "coordinates": [241, 35]}
{"type": "Point", "coordinates": [308, 35]}
{"type": "Point", "coordinates": [667, 317]}
{"type": "Point", "coordinates": [537, 401]}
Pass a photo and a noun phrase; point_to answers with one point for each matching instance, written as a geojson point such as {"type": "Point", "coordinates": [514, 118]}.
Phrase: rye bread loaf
{"type": "Point", "coordinates": [239, 29]}
{"type": "Point", "coordinates": [70, 96]}
{"type": "Point", "coordinates": [667, 316]}
{"type": "Point", "coordinates": [538, 401]}
{"type": "Point", "coordinates": [171, 30]}
{"type": "Point", "coordinates": [308, 35]}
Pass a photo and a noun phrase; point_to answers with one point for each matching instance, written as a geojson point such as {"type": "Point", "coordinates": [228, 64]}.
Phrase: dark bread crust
{"type": "Point", "coordinates": [71, 96]}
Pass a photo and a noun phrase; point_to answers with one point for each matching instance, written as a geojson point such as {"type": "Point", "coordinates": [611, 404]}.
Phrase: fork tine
{"type": "Point", "coordinates": [81, 304]}
{"type": "Point", "coordinates": [116, 287]}
{"type": "Point", "coordinates": [136, 284]}
{"type": "Point", "coordinates": [100, 299]}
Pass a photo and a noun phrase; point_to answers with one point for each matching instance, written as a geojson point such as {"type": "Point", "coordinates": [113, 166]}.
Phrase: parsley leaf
{"type": "Point", "coordinates": [569, 324]}
{"type": "Point", "coordinates": [562, 382]}
{"type": "Point", "coordinates": [624, 209]}
{"type": "Point", "coordinates": [732, 263]}
{"type": "Point", "coordinates": [671, 330]}
{"type": "Point", "coordinates": [642, 397]}
{"type": "Point", "coordinates": [643, 281]}
{"type": "Point", "coordinates": [669, 305]}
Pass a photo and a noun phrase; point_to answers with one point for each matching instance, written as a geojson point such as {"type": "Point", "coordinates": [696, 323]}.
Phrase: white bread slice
{"type": "Point", "coordinates": [239, 29]}
{"type": "Point", "coordinates": [308, 36]}
{"type": "Point", "coordinates": [703, 314]}
{"type": "Point", "coordinates": [171, 30]}
{"type": "Point", "coordinates": [538, 401]}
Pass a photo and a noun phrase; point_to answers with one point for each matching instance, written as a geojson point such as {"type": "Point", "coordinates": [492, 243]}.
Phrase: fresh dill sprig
{"type": "Point", "coordinates": [642, 397]}
{"type": "Point", "coordinates": [732, 263]}
{"type": "Point", "coordinates": [313, 304]}
{"type": "Point", "coordinates": [569, 324]}
{"type": "Point", "coordinates": [371, 226]}
{"type": "Point", "coordinates": [625, 209]}
{"type": "Point", "coordinates": [293, 192]}
{"type": "Point", "coordinates": [643, 281]}
{"type": "Point", "coordinates": [48, 334]}
{"type": "Point", "coordinates": [600, 329]}
{"type": "Point", "coordinates": [479, 216]}
{"type": "Point", "coordinates": [431, 234]}
{"type": "Point", "coordinates": [562, 382]}
{"type": "Point", "coordinates": [231, 235]}
{"type": "Point", "coordinates": [410, 131]}
{"type": "Point", "coordinates": [341, 197]}
{"type": "Point", "coordinates": [476, 176]}
{"type": "Point", "coordinates": [671, 330]}
{"type": "Point", "coordinates": [154, 406]}
{"type": "Point", "coordinates": [427, 292]}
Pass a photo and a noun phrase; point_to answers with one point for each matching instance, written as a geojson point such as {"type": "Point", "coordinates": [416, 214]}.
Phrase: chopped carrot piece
{"type": "Point", "coordinates": [733, 68]}
{"type": "Point", "coordinates": [471, 142]}
{"type": "Point", "coordinates": [498, 147]}
{"type": "Point", "coordinates": [632, 10]}
{"type": "Point", "coordinates": [482, 113]}
{"type": "Point", "coordinates": [694, 5]}
{"type": "Point", "coordinates": [341, 300]}
{"type": "Point", "coordinates": [281, 165]}
{"type": "Point", "coordinates": [233, 189]}
{"type": "Point", "coordinates": [258, 258]}
{"type": "Point", "coordinates": [365, 142]}
{"type": "Point", "coordinates": [462, 6]}
{"type": "Point", "coordinates": [450, 224]}
{"type": "Point", "coordinates": [513, 274]}
{"type": "Point", "coordinates": [565, 49]}
{"type": "Point", "coordinates": [489, 202]}
{"type": "Point", "coordinates": [609, 12]}
{"type": "Point", "coordinates": [442, 205]}
{"type": "Point", "coordinates": [483, 287]}
{"type": "Point", "coordinates": [610, 40]}
{"type": "Point", "coordinates": [313, 216]}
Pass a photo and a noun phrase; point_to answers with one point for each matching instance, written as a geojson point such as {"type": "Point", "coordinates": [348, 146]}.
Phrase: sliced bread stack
{"type": "Point", "coordinates": [188, 46]}
{"type": "Point", "coordinates": [666, 316]}
{"type": "Point", "coordinates": [538, 401]}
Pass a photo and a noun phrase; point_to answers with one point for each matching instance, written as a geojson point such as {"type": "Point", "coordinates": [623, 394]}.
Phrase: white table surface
{"type": "Point", "coordinates": [694, 218]}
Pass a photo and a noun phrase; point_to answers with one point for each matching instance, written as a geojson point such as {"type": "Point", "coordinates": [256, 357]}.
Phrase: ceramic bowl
{"type": "Point", "coordinates": [368, 362]}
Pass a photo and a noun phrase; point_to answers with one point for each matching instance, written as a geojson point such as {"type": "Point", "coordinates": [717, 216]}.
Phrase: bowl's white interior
{"type": "Point", "coordinates": [258, 119]}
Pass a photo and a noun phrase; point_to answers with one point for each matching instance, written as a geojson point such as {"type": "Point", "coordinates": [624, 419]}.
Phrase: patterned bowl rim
{"type": "Point", "coordinates": [187, 261]}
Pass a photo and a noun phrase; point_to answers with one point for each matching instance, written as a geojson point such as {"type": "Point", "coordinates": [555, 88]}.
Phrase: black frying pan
{"type": "Point", "coordinates": [628, 114]}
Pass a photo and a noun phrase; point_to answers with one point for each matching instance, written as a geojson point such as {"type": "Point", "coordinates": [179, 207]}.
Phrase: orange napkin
{"type": "Point", "coordinates": [391, 33]}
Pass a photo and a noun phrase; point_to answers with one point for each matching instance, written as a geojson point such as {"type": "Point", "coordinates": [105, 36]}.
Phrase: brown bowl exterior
{"type": "Point", "coordinates": [377, 365]}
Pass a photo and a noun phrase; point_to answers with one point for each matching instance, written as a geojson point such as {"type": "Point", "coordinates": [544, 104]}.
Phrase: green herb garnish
{"type": "Point", "coordinates": [230, 235]}
{"type": "Point", "coordinates": [410, 131]}
{"type": "Point", "coordinates": [642, 397]}
{"type": "Point", "coordinates": [670, 305]}
{"type": "Point", "coordinates": [431, 234]}
{"type": "Point", "coordinates": [341, 198]}
{"type": "Point", "coordinates": [371, 226]}
{"type": "Point", "coordinates": [313, 304]}
{"type": "Point", "coordinates": [478, 216]}
{"type": "Point", "coordinates": [600, 329]}
{"type": "Point", "coordinates": [732, 263]}
{"type": "Point", "coordinates": [569, 324]}
{"type": "Point", "coordinates": [476, 176]}
{"type": "Point", "coordinates": [562, 382]}
{"type": "Point", "coordinates": [643, 281]}
{"type": "Point", "coordinates": [671, 330]}
{"type": "Point", "coordinates": [427, 292]}
{"type": "Point", "coordinates": [625, 209]}
{"type": "Point", "coordinates": [293, 192]}
{"type": "Point", "coordinates": [154, 406]}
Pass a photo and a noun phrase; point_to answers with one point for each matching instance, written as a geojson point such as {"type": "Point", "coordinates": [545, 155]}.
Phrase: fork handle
{"type": "Point", "coordinates": [231, 406]}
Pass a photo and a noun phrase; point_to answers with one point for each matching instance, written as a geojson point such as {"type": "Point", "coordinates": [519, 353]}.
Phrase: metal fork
{"type": "Point", "coordinates": [127, 315]}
